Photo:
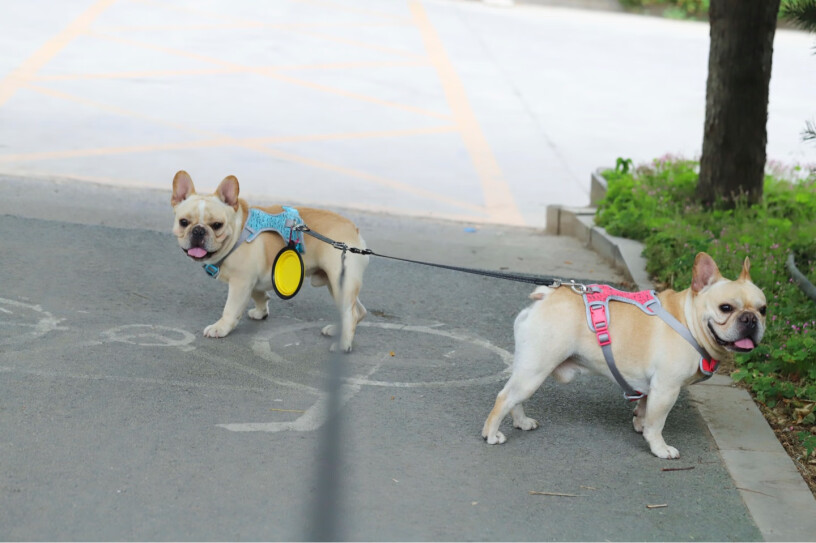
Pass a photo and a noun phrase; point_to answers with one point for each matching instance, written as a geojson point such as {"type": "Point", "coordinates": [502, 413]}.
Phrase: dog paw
{"type": "Point", "coordinates": [329, 330]}
{"type": "Point", "coordinates": [526, 424]}
{"type": "Point", "coordinates": [257, 315]}
{"type": "Point", "coordinates": [335, 347]}
{"type": "Point", "coordinates": [498, 438]}
{"type": "Point", "coordinates": [638, 424]}
{"type": "Point", "coordinates": [217, 329]}
{"type": "Point", "coordinates": [666, 452]}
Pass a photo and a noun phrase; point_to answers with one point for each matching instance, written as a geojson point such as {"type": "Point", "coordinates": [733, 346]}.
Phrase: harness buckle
{"type": "Point", "coordinates": [633, 397]}
{"type": "Point", "coordinates": [211, 270]}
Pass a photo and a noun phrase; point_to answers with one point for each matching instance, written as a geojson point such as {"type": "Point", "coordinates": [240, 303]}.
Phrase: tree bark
{"type": "Point", "coordinates": [739, 73]}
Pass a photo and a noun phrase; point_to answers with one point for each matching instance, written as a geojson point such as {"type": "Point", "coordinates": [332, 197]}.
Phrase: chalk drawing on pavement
{"type": "Point", "coordinates": [268, 346]}
{"type": "Point", "coordinates": [20, 321]}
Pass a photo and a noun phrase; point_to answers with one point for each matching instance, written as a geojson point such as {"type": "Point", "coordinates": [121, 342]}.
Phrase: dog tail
{"type": "Point", "coordinates": [540, 293]}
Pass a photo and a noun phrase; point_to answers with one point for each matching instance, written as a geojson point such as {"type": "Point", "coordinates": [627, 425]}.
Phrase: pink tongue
{"type": "Point", "coordinates": [744, 343]}
{"type": "Point", "coordinates": [197, 252]}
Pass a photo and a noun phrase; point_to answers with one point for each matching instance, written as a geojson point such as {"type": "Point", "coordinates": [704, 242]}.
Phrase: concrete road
{"type": "Point", "coordinates": [119, 421]}
{"type": "Point", "coordinates": [453, 109]}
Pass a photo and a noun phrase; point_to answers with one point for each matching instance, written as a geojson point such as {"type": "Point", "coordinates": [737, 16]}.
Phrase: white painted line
{"type": "Point", "coordinates": [124, 379]}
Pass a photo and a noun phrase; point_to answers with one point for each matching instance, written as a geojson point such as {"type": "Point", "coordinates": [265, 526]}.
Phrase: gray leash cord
{"type": "Point", "coordinates": [541, 281]}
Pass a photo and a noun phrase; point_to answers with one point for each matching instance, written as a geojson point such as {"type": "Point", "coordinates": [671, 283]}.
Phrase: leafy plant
{"type": "Point", "coordinates": [655, 204]}
{"type": "Point", "coordinates": [808, 442]}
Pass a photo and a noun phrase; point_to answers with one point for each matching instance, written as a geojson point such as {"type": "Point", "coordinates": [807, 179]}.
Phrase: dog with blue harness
{"type": "Point", "coordinates": [650, 344]}
{"type": "Point", "coordinates": [260, 249]}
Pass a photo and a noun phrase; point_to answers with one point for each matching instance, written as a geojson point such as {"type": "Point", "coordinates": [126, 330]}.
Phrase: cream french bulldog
{"type": "Point", "coordinates": [209, 226]}
{"type": "Point", "coordinates": [552, 336]}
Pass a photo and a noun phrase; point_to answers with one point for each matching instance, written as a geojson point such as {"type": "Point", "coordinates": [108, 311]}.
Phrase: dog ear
{"type": "Point", "coordinates": [182, 188]}
{"type": "Point", "coordinates": [227, 191]}
{"type": "Point", "coordinates": [745, 275]}
{"type": "Point", "coordinates": [704, 273]}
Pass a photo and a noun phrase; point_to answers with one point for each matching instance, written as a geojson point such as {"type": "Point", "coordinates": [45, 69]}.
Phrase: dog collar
{"type": "Point", "coordinates": [258, 221]}
{"type": "Point", "coordinates": [596, 300]}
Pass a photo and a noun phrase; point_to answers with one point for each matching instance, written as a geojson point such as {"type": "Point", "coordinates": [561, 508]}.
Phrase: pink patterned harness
{"type": "Point", "coordinates": [596, 300]}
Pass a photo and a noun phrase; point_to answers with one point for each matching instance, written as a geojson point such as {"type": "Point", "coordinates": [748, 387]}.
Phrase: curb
{"type": "Point", "coordinates": [771, 487]}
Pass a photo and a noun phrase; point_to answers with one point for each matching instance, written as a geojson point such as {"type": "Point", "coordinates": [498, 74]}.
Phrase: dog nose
{"type": "Point", "coordinates": [199, 231]}
{"type": "Point", "coordinates": [748, 319]}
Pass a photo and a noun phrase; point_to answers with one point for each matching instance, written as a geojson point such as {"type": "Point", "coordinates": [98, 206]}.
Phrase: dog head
{"type": "Point", "coordinates": [206, 226]}
{"type": "Point", "coordinates": [730, 314]}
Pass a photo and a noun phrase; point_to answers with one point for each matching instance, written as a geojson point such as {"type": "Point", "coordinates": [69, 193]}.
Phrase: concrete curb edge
{"type": "Point", "coordinates": [773, 490]}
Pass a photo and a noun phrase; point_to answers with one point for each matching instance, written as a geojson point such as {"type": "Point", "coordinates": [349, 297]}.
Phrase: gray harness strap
{"type": "Point", "coordinates": [596, 300]}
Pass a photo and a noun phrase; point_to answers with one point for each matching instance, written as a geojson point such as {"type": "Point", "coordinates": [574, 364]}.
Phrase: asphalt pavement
{"type": "Point", "coordinates": [120, 421]}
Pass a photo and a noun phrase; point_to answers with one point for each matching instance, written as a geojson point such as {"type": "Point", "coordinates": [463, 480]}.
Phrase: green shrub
{"type": "Point", "coordinates": [655, 204]}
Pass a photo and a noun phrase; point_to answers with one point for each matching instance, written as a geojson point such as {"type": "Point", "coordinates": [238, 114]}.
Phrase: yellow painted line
{"type": "Point", "coordinates": [253, 144]}
{"type": "Point", "coordinates": [148, 74]}
{"type": "Point", "coordinates": [499, 201]}
{"type": "Point", "coordinates": [120, 111]}
{"type": "Point", "coordinates": [372, 134]}
{"type": "Point", "coordinates": [224, 141]}
{"type": "Point", "coordinates": [271, 73]}
{"type": "Point", "coordinates": [250, 24]}
{"type": "Point", "coordinates": [347, 94]}
{"type": "Point", "coordinates": [287, 410]}
{"type": "Point", "coordinates": [29, 68]}
{"type": "Point", "coordinates": [406, 188]}
{"type": "Point", "coordinates": [106, 151]}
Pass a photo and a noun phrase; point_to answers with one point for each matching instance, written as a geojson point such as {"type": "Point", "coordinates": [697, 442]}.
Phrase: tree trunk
{"type": "Point", "coordinates": [739, 73]}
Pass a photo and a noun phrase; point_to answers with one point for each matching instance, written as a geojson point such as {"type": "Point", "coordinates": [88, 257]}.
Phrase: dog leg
{"type": "Point", "coordinates": [261, 309]}
{"type": "Point", "coordinates": [522, 421]}
{"type": "Point", "coordinates": [520, 387]}
{"type": "Point", "coordinates": [661, 400]}
{"type": "Point", "coordinates": [359, 312]}
{"type": "Point", "coordinates": [237, 299]}
{"type": "Point", "coordinates": [347, 303]}
{"type": "Point", "coordinates": [639, 414]}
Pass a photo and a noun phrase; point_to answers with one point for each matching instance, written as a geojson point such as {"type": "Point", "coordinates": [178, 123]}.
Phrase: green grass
{"type": "Point", "coordinates": [655, 204]}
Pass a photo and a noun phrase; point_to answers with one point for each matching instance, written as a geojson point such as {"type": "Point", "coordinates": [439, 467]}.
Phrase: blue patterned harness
{"type": "Point", "coordinates": [258, 221]}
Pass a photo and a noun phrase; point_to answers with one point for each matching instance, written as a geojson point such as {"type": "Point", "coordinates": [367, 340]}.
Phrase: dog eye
{"type": "Point", "coordinates": [184, 223]}
{"type": "Point", "coordinates": [763, 310]}
{"type": "Point", "coordinates": [726, 308]}
{"type": "Point", "coordinates": [217, 225]}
